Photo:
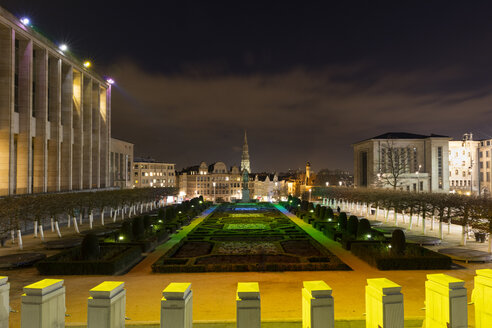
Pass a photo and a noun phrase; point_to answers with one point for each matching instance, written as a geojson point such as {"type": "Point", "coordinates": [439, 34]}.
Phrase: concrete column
{"type": "Point", "coordinates": [43, 304]}
{"type": "Point", "coordinates": [78, 121]}
{"type": "Point", "coordinates": [248, 313]}
{"type": "Point", "coordinates": [24, 137]}
{"type": "Point", "coordinates": [40, 111]}
{"type": "Point", "coordinates": [317, 305]}
{"type": "Point", "coordinates": [106, 306]}
{"type": "Point", "coordinates": [96, 136]}
{"type": "Point", "coordinates": [87, 127]}
{"type": "Point", "coordinates": [177, 306]}
{"type": "Point", "coordinates": [54, 124]}
{"type": "Point", "coordinates": [104, 138]}
{"type": "Point", "coordinates": [7, 36]}
{"type": "Point", "coordinates": [384, 304]}
{"type": "Point", "coordinates": [4, 302]}
{"type": "Point", "coordinates": [445, 302]}
{"type": "Point", "coordinates": [67, 127]}
{"type": "Point", "coordinates": [482, 298]}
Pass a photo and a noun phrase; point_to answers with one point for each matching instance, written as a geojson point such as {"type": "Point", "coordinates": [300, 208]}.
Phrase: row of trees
{"type": "Point", "coordinates": [37, 209]}
{"type": "Point", "coordinates": [467, 211]}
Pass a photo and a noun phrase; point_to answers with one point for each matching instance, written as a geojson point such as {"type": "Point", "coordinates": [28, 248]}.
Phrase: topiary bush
{"type": "Point", "coordinates": [127, 230]}
{"type": "Point", "coordinates": [90, 249]}
{"type": "Point", "coordinates": [322, 212]}
{"type": "Point", "coordinates": [342, 221]}
{"type": "Point", "coordinates": [147, 222]}
{"type": "Point", "coordinates": [138, 228]}
{"type": "Point", "coordinates": [352, 225]}
{"type": "Point", "coordinates": [364, 229]}
{"type": "Point", "coordinates": [329, 213]}
{"type": "Point", "coordinates": [398, 242]}
{"type": "Point", "coordinates": [161, 214]}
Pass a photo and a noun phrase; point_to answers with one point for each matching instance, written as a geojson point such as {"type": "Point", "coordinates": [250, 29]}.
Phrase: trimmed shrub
{"type": "Point", "coordinates": [363, 229]}
{"type": "Point", "coordinates": [127, 230]}
{"type": "Point", "coordinates": [398, 242]}
{"type": "Point", "coordinates": [310, 207]}
{"type": "Point", "coordinates": [352, 225]}
{"type": "Point", "coordinates": [342, 221]}
{"type": "Point", "coordinates": [415, 258]}
{"type": "Point", "coordinates": [90, 247]}
{"type": "Point", "coordinates": [329, 213]}
{"type": "Point", "coordinates": [138, 227]}
{"type": "Point", "coordinates": [322, 212]}
{"type": "Point", "coordinates": [147, 222]}
{"type": "Point", "coordinates": [161, 214]}
{"type": "Point", "coordinates": [317, 210]}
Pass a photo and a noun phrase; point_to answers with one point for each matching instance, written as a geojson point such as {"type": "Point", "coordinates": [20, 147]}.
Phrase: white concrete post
{"type": "Point", "coordinates": [177, 306]}
{"type": "Point", "coordinates": [384, 304]}
{"type": "Point", "coordinates": [43, 304]}
{"type": "Point", "coordinates": [106, 305]}
{"type": "Point", "coordinates": [4, 302]}
{"type": "Point", "coordinates": [317, 305]}
{"type": "Point", "coordinates": [482, 297]}
{"type": "Point", "coordinates": [445, 302]}
{"type": "Point", "coordinates": [248, 305]}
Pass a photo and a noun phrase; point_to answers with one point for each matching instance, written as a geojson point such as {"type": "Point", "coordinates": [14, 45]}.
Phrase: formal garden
{"type": "Point", "coordinates": [115, 249]}
{"type": "Point", "coordinates": [247, 237]}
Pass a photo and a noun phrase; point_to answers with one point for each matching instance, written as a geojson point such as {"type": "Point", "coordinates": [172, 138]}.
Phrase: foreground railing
{"type": "Point", "coordinates": [43, 304]}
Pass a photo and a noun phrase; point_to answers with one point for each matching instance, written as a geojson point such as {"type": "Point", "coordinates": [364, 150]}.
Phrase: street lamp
{"type": "Point", "coordinates": [327, 184]}
{"type": "Point", "coordinates": [213, 183]}
{"type": "Point", "coordinates": [340, 183]}
{"type": "Point", "coordinates": [310, 195]}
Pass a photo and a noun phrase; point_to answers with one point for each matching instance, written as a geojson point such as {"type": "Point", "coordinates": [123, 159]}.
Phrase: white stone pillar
{"type": "Point", "coordinates": [177, 306]}
{"type": "Point", "coordinates": [4, 302]}
{"type": "Point", "coordinates": [43, 304]}
{"type": "Point", "coordinates": [317, 305]}
{"type": "Point", "coordinates": [106, 306]}
{"type": "Point", "coordinates": [384, 304]}
{"type": "Point", "coordinates": [248, 305]}
{"type": "Point", "coordinates": [482, 298]}
{"type": "Point", "coordinates": [445, 302]}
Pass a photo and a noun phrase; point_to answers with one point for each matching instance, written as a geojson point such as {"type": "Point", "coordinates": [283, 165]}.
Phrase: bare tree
{"type": "Point", "coordinates": [394, 163]}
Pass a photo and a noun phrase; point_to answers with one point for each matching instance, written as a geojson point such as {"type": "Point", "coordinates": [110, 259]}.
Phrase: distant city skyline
{"type": "Point", "coordinates": [306, 80]}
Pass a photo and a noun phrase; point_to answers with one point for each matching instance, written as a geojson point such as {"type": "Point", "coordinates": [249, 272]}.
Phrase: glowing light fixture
{"type": "Point", "coordinates": [110, 81]}
{"type": "Point", "coordinates": [87, 64]}
{"type": "Point", "coordinates": [121, 237]}
{"type": "Point", "coordinates": [63, 47]}
{"type": "Point", "coordinates": [25, 21]}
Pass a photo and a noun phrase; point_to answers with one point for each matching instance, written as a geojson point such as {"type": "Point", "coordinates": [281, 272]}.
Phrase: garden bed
{"type": "Point", "coordinates": [114, 259]}
{"type": "Point", "coordinates": [260, 239]}
{"type": "Point", "coordinates": [415, 257]}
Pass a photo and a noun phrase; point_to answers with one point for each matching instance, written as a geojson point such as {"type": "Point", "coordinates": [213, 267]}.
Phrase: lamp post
{"type": "Point", "coordinates": [327, 184]}
{"type": "Point", "coordinates": [213, 183]}
{"type": "Point", "coordinates": [418, 180]}
{"type": "Point", "coordinates": [340, 183]}
{"type": "Point", "coordinates": [310, 195]}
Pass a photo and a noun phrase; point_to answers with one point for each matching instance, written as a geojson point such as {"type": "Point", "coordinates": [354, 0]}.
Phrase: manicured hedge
{"type": "Point", "coordinates": [67, 263]}
{"type": "Point", "coordinates": [415, 258]}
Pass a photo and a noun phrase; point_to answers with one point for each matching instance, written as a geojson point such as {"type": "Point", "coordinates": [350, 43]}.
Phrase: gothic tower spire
{"type": "Point", "coordinates": [245, 156]}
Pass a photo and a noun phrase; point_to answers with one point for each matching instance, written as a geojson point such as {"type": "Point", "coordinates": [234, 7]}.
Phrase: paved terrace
{"type": "Point", "coordinates": [214, 293]}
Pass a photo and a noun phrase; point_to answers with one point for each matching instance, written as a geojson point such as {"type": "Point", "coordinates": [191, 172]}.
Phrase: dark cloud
{"type": "Point", "coordinates": [291, 117]}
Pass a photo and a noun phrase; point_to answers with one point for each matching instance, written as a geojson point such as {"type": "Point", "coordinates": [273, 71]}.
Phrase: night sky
{"type": "Point", "coordinates": [306, 79]}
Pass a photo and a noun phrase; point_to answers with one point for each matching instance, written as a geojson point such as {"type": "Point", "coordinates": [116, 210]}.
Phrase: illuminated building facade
{"type": "Point", "coordinates": [55, 116]}
{"type": "Point", "coordinates": [213, 182]}
{"type": "Point", "coordinates": [150, 173]}
{"type": "Point", "coordinates": [421, 162]}
{"type": "Point", "coordinates": [121, 163]}
{"type": "Point", "coordinates": [464, 165]}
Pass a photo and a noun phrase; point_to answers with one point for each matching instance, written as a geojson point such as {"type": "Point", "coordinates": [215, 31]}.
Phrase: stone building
{"type": "Point", "coordinates": [121, 163]}
{"type": "Point", "coordinates": [147, 172]}
{"type": "Point", "coordinates": [55, 116]}
{"type": "Point", "coordinates": [464, 165]}
{"type": "Point", "coordinates": [403, 161]}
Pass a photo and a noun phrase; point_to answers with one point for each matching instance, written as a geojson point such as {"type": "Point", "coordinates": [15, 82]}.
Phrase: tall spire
{"type": "Point", "coordinates": [245, 165]}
